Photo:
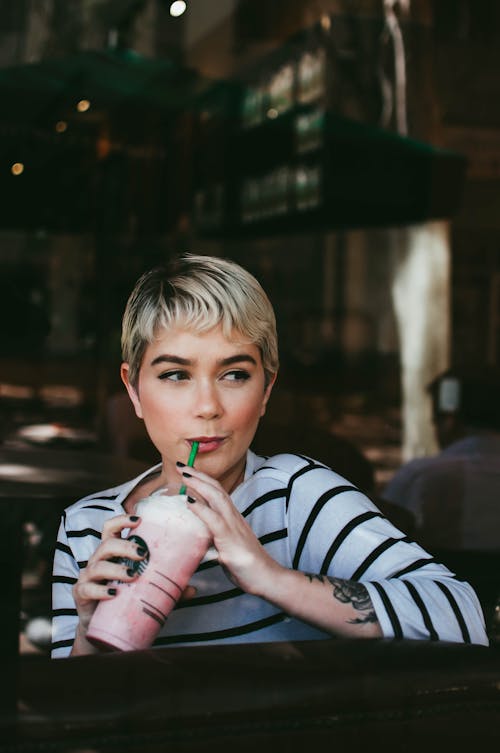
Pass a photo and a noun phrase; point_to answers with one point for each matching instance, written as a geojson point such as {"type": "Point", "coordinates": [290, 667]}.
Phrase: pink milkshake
{"type": "Point", "coordinates": [176, 541]}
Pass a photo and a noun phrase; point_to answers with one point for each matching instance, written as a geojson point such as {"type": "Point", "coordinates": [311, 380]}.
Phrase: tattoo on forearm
{"type": "Point", "coordinates": [312, 577]}
{"type": "Point", "coordinates": [350, 592]}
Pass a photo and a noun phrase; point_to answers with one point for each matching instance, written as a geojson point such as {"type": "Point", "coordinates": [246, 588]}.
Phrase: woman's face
{"type": "Point", "coordinates": [205, 388]}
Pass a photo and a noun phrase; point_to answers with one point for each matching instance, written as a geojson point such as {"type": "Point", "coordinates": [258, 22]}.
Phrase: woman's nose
{"type": "Point", "coordinates": [208, 404]}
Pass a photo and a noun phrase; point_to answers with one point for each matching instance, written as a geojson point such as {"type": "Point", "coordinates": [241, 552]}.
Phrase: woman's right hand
{"type": "Point", "coordinates": [106, 564]}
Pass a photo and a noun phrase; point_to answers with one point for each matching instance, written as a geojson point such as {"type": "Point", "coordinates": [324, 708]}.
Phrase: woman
{"type": "Point", "coordinates": [302, 554]}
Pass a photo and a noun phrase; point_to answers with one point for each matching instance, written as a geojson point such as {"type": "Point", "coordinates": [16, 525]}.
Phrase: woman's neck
{"type": "Point", "coordinates": [143, 489]}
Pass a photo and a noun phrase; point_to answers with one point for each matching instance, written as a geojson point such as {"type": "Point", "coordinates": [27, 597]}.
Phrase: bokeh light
{"type": "Point", "coordinates": [177, 8]}
{"type": "Point", "coordinates": [326, 22]}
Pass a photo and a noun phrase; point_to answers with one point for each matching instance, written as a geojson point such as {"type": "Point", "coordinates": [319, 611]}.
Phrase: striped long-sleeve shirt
{"type": "Point", "coordinates": [308, 518]}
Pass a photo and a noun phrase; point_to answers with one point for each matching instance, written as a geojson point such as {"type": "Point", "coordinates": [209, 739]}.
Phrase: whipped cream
{"type": "Point", "coordinates": [161, 508]}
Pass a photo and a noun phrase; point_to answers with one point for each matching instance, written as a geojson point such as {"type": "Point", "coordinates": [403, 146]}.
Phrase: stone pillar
{"type": "Point", "coordinates": [421, 298]}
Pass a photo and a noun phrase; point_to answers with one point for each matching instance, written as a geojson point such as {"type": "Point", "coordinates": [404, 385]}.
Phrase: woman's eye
{"type": "Point", "coordinates": [237, 375]}
{"type": "Point", "coordinates": [174, 376]}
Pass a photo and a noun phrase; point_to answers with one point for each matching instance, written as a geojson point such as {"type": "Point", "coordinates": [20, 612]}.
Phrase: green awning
{"type": "Point", "coordinates": [107, 78]}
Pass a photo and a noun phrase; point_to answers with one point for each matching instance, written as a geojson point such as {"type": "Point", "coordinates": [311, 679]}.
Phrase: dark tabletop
{"type": "Point", "coordinates": [39, 474]}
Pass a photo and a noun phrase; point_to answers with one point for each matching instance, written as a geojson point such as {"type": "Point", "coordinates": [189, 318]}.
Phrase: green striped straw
{"type": "Point", "coordinates": [190, 462]}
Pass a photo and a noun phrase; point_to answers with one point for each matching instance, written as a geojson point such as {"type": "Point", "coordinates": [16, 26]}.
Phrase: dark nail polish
{"type": "Point", "coordinates": [141, 551]}
{"type": "Point", "coordinates": [186, 475]}
{"type": "Point", "coordinates": [130, 572]}
{"type": "Point", "coordinates": [181, 465]}
{"type": "Point", "coordinates": [191, 499]}
{"type": "Point", "coordinates": [133, 518]}
{"type": "Point", "coordinates": [112, 591]}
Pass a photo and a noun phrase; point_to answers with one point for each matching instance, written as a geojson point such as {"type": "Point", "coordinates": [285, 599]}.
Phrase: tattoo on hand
{"type": "Point", "coordinates": [350, 592]}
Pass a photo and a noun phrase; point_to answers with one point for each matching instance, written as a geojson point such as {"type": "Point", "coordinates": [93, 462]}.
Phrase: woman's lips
{"type": "Point", "coordinates": [208, 444]}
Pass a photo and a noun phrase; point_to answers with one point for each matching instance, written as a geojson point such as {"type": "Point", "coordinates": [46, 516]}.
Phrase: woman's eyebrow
{"type": "Point", "coordinates": [170, 358]}
{"type": "Point", "coordinates": [239, 358]}
{"type": "Point", "coordinates": [167, 358]}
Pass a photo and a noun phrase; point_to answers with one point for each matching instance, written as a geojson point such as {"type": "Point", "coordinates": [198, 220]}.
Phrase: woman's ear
{"type": "Point", "coordinates": [132, 392]}
{"type": "Point", "coordinates": [267, 393]}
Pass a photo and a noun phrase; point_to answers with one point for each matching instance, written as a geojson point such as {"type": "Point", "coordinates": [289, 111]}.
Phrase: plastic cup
{"type": "Point", "coordinates": [175, 541]}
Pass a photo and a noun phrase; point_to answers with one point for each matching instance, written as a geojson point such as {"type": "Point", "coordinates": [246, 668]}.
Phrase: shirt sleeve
{"type": "Point", "coordinates": [64, 615]}
{"type": "Point", "coordinates": [336, 530]}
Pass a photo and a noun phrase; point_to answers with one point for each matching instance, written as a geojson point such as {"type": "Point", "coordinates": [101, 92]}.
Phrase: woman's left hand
{"type": "Point", "coordinates": [240, 552]}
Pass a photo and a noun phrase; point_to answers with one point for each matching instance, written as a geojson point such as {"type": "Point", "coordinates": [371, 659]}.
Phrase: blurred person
{"type": "Point", "coordinates": [302, 553]}
{"type": "Point", "coordinates": [455, 495]}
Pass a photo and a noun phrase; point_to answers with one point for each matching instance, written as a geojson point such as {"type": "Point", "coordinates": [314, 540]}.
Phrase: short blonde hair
{"type": "Point", "coordinates": [198, 293]}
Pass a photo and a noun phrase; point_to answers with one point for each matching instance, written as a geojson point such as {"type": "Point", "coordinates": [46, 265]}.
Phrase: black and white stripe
{"type": "Point", "coordinates": [308, 518]}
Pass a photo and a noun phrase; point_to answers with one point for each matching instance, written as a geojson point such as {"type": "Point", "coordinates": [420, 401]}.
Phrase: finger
{"type": "Point", "coordinates": [212, 493]}
{"type": "Point", "coordinates": [214, 521]}
{"type": "Point", "coordinates": [104, 570]}
{"type": "Point", "coordinates": [113, 527]}
{"type": "Point", "coordinates": [189, 473]}
{"type": "Point", "coordinates": [88, 591]}
{"type": "Point", "coordinates": [112, 549]}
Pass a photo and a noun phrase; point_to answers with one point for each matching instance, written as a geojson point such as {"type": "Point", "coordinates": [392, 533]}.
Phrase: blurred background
{"type": "Point", "coordinates": [346, 152]}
